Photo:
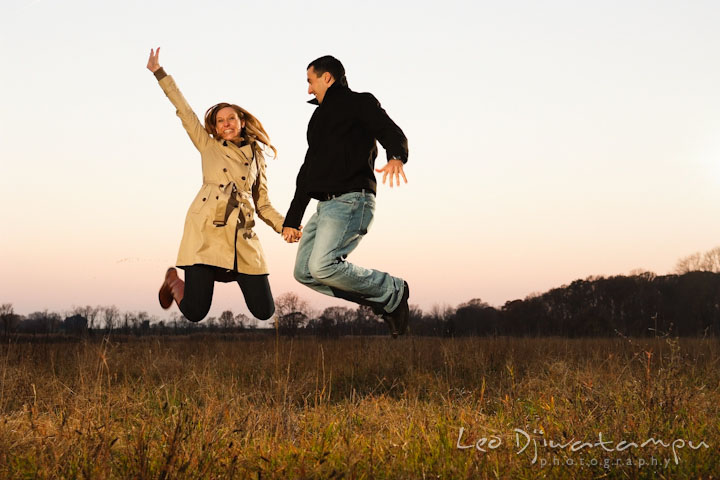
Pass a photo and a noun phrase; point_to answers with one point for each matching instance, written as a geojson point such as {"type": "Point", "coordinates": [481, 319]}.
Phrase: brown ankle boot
{"type": "Point", "coordinates": [172, 289]}
{"type": "Point", "coordinates": [178, 290]}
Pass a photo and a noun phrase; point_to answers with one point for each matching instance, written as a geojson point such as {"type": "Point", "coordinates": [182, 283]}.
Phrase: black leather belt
{"type": "Point", "coordinates": [329, 196]}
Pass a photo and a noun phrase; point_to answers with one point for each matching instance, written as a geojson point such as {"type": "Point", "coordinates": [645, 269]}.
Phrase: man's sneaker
{"type": "Point", "coordinates": [397, 320]}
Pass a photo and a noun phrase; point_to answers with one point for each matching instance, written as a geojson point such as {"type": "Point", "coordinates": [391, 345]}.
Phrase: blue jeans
{"type": "Point", "coordinates": [332, 233]}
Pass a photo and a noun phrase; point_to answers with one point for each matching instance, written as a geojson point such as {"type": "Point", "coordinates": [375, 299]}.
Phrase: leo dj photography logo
{"type": "Point", "coordinates": [537, 447]}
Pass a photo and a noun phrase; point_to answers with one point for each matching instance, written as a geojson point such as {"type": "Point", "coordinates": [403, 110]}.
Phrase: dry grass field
{"type": "Point", "coordinates": [257, 406]}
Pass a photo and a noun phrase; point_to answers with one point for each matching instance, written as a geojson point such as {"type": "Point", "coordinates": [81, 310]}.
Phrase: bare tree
{"type": "Point", "coordinates": [111, 317]}
{"type": "Point", "coordinates": [291, 312]}
{"type": "Point", "coordinates": [41, 322]}
{"type": "Point", "coordinates": [688, 264]}
{"type": "Point", "coordinates": [290, 302]}
{"type": "Point", "coordinates": [364, 316]}
{"type": "Point", "coordinates": [250, 322]}
{"type": "Point", "coordinates": [88, 312]}
{"type": "Point", "coordinates": [143, 320]}
{"type": "Point", "coordinates": [441, 313]}
{"type": "Point", "coordinates": [128, 318]}
{"type": "Point", "coordinates": [175, 321]}
{"type": "Point", "coordinates": [242, 321]}
{"type": "Point", "coordinates": [706, 262]}
{"type": "Point", "coordinates": [339, 315]}
{"type": "Point", "coordinates": [643, 273]}
{"type": "Point", "coordinates": [711, 260]}
{"type": "Point", "coordinates": [8, 319]}
{"type": "Point", "coordinates": [227, 320]}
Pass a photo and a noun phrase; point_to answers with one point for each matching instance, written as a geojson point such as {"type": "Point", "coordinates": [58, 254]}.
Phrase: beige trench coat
{"type": "Point", "coordinates": [218, 226]}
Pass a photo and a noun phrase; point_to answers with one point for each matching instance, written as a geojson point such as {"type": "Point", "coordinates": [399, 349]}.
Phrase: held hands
{"type": "Point", "coordinates": [154, 60]}
{"type": "Point", "coordinates": [292, 235]}
{"type": "Point", "coordinates": [394, 168]}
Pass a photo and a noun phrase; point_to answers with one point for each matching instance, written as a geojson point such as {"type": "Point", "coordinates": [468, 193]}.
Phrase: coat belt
{"type": "Point", "coordinates": [229, 198]}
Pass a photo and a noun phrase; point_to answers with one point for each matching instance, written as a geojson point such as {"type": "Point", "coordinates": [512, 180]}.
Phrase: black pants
{"type": "Point", "coordinates": [200, 283]}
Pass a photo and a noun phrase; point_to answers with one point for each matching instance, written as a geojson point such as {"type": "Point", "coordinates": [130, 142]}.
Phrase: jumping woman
{"type": "Point", "coordinates": [218, 242]}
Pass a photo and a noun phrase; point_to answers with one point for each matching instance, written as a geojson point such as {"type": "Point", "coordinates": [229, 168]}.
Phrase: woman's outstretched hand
{"type": "Point", "coordinates": [154, 60]}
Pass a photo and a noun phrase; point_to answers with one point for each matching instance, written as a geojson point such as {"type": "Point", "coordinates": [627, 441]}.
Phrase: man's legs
{"type": "Point", "coordinates": [332, 233]}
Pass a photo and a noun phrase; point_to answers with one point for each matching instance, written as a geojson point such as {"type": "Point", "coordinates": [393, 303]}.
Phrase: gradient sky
{"type": "Point", "coordinates": [549, 141]}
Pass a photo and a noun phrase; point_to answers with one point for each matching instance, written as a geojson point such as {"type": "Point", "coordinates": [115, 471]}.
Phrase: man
{"type": "Point", "coordinates": [338, 172]}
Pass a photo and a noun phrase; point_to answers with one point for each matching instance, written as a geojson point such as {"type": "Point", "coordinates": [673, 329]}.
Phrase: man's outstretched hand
{"type": "Point", "coordinates": [394, 168]}
{"type": "Point", "coordinates": [292, 235]}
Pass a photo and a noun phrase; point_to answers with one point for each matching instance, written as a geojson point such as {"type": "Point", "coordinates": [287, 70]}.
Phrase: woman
{"type": "Point", "coordinates": [218, 243]}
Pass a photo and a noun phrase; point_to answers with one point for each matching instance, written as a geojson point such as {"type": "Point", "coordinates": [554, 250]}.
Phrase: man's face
{"type": "Point", "coordinates": [318, 85]}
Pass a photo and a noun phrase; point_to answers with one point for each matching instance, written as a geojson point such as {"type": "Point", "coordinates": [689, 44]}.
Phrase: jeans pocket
{"type": "Point", "coordinates": [350, 198]}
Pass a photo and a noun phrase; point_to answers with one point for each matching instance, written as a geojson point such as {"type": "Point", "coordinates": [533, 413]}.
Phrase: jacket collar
{"type": "Point", "coordinates": [245, 148]}
{"type": "Point", "coordinates": [332, 91]}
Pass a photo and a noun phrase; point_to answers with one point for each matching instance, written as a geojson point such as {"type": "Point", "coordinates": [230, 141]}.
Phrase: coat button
{"type": "Point", "coordinates": [222, 186]}
{"type": "Point", "coordinates": [204, 199]}
{"type": "Point", "coordinates": [217, 198]}
{"type": "Point", "coordinates": [243, 178]}
{"type": "Point", "coordinates": [224, 169]}
{"type": "Point", "coordinates": [246, 164]}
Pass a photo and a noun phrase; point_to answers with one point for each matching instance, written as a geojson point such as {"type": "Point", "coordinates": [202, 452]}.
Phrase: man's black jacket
{"type": "Point", "coordinates": [341, 147]}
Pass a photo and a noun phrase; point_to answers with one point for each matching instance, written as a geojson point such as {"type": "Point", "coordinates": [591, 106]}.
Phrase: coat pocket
{"type": "Point", "coordinates": [201, 199]}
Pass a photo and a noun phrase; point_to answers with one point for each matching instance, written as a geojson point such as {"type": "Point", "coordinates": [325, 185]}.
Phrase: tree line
{"type": "Point", "coordinates": [107, 319]}
{"type": "Point", "coordinates": [686, 303]}
{"type": "Point", "coordinates": [636, 305]}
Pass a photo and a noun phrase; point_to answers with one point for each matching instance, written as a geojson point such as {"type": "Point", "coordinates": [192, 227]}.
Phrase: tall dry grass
{"type": "Point", "coordinates": [262, 407]}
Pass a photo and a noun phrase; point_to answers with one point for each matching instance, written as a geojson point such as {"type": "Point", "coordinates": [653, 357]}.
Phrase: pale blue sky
{"type": "Point", "coordinates": [549, 141]}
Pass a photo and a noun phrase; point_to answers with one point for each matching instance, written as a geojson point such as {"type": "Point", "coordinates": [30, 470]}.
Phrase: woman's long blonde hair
{"type": "Point", "coordinates": [253, 133]}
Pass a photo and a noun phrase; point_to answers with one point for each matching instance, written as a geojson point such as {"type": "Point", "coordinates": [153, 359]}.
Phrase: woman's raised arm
{"type": "Point", "coordinates": [192, 124]}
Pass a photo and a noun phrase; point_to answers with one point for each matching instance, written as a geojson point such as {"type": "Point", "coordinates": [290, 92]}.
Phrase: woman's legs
{"type": "Point", "coordinates": [258, 297]}
{"type": "Point", "coordinates": [199, 286]}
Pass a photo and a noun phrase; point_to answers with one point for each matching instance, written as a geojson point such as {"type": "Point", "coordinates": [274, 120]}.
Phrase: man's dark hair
{"type": "Point", "coordinates": [332, 65]}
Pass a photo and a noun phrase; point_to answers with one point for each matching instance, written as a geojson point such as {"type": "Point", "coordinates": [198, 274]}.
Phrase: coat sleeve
{"type": "Point", "coordinates": [190, 121]}
{"type": "Point", "coordinates": [376, 121]}
{"type": "Point", "coordinates": [264, 208]}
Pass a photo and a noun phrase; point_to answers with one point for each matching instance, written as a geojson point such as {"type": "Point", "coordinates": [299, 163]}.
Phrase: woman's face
{"type": "Point", "coordinates": [228, 124]}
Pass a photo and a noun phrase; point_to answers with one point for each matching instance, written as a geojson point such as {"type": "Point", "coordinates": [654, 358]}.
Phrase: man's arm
{"type": "Point", "coordinates": [376, 121]}
{"type": "Point", "coordinates": [297, 209]}
{"type": "Point", "coordinates": [291, 230]}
